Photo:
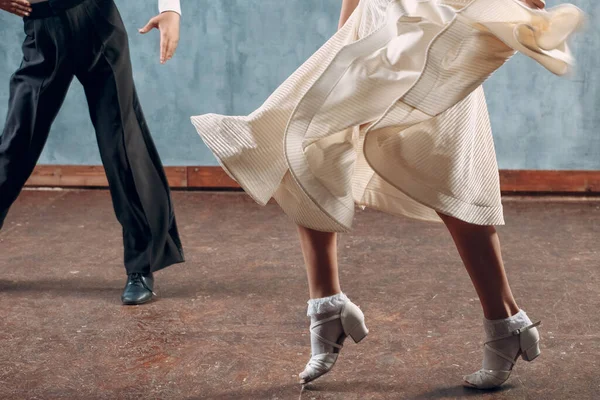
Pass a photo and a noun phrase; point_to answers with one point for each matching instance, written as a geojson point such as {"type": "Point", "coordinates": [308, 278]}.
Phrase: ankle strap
{"type": "Point", "coordinates": [500, 354]}
{"type": "Point", "coordinates": [324, 321]}
{"type": "Point", "coordinates": [516, 332]}
{"type": "Point", "coordinates": [321, 338]}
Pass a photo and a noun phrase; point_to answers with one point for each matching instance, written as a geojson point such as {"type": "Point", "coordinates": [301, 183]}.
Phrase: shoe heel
{"type": "Point", "coordinates": [531, 353]}
{"type": "Point", "coordinates": [530, 344]}
{"type": "Point", "coordinates": [353, 322]}
{"type": "Point", "coordinates": [359, 332]}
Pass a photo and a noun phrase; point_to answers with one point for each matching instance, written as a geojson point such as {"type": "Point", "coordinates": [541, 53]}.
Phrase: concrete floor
{"type": "Point", "coordinates": [230, 323]}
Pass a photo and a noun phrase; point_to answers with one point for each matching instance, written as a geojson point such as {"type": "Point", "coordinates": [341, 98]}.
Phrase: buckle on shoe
{"type": "Point", "coordinates": [517, 332]}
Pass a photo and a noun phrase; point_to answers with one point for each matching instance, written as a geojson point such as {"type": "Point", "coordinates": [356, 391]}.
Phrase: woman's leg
{"type": "Point", "coordinates": [479, 248]}
{"type": "Point", "coordinates": [326, 303]}
{"type": "Point", "coordinates": [320, 257]}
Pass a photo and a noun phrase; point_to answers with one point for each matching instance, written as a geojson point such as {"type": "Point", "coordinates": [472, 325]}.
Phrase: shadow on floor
{"type": "Point", "coordinates": [353, 387]}
{"type": "Point", "coordinates": [76, 287]}
{"type": "Point", "coordinates": [85, 287]}
{"type": "Point", "coordinates": [264, 393]}
{"type": "Point", "coordinates": [454, 392]}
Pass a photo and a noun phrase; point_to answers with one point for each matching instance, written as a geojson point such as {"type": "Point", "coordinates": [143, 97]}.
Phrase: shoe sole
{"type": "Point", "coordinates": [136, 303]}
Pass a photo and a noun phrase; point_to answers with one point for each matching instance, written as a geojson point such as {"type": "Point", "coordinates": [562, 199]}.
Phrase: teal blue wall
{"type": "Point", "coordinates": [233, 53]}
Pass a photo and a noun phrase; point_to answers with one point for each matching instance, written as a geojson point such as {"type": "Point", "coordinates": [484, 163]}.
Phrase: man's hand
{"type": "Point", "coordinates": [535, 3]}
{"type": "Point", "coordinates": [22, 8]}
{"type": "Point", "coordinates": [168, 25]}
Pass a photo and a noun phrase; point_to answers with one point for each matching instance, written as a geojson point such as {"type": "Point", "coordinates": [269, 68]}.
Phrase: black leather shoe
{"type": "Point", "coordinates": [138, 289]}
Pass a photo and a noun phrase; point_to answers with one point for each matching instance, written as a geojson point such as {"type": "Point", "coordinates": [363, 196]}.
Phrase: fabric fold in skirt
{"type": "Point", "coordinates": [390, 113]}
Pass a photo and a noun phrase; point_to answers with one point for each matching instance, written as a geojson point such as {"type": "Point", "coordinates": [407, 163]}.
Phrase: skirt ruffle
{"type": "Point", "coordinates": [390, 113]}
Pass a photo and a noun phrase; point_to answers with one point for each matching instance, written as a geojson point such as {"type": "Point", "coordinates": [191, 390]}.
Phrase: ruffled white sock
{"type": "Point", "coordinates": [322, 308]}
{"type": "Point", "coordinates": [508, 346]}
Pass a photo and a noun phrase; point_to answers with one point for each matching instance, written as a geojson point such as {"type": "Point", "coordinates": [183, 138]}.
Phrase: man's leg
{"type": "Point", "coordinates": [37, 91]}
{"type": "Point", "coordinates": [138, 184]}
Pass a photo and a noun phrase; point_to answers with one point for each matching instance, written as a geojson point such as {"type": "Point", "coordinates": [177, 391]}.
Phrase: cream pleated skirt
{"type": "Point", "coordinates": [390, 113]}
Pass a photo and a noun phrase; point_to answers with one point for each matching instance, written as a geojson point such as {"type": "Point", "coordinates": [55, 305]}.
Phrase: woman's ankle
{"type": "Point", "coordinates": [326, 304]}
{"type": "Point", "coordinates": [503, 311]}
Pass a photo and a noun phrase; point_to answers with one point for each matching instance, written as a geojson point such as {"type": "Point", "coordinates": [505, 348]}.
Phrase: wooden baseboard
{"type": "Point", "coordinates": [511, 181]}
{"type": "Point", "coordinates": [92, 176]}
{"type": "Point", "coordinates": [550, 181]}
{"type": "Point", "coordinates": [210, 177]}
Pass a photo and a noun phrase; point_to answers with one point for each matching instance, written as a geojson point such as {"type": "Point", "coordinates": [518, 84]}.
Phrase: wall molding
{"type": "Point", "coordinates": [197, 177]}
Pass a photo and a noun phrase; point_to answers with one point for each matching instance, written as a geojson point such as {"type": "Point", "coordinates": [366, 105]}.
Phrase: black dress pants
{"type": "Point", "coordinates": [87, 39]}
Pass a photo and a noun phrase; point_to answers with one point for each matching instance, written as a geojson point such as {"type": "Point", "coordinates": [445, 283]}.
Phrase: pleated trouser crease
{"type": "Point", "coordinates": [87, 39]}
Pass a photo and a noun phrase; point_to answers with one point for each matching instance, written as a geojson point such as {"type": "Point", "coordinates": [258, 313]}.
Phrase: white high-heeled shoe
{"type": "Point", "coordinates": [529, 350]}
{"type": "Point", "coordinates": [353, 324]}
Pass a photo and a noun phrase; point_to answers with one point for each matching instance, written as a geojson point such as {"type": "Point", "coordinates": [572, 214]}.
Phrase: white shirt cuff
{"type": "Point", "coordinates": [169, 5]}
